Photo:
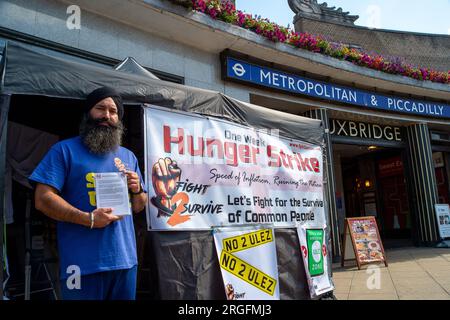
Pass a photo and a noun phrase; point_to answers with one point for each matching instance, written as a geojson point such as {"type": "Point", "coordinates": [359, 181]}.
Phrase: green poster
{"type": "Point", "coordinates": [314, 240]}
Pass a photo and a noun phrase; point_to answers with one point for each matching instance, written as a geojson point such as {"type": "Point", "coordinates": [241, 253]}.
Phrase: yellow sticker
{"type": "Point", "coordinates": [247, 241]}
{"type": "Point", "coordinates": [248, 273]}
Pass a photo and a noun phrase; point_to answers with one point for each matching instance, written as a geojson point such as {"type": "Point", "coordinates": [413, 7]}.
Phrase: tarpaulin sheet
{"type": "Point", "coordinates": [189, 268]}
{"type": "Point", "coordinates": [30, 72]}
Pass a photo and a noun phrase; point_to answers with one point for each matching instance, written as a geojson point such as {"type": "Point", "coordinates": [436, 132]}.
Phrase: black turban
{"type": "Point", "coordinates": [102, 93]}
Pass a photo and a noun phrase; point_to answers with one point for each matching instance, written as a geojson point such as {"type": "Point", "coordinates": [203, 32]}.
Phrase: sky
{"type": "Point", "coordinates": [426, 16]}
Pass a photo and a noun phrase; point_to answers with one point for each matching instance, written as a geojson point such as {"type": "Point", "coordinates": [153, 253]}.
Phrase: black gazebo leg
{"type": "Point", "coordinates": [4, 108]}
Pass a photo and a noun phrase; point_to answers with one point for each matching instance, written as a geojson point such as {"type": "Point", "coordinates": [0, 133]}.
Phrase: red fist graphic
{"type": "Point", "coordinates": [165, 175]}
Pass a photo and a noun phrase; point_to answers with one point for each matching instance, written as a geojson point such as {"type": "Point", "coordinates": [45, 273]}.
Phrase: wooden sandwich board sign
{"type": "Point", "coordinates": [362, 242]}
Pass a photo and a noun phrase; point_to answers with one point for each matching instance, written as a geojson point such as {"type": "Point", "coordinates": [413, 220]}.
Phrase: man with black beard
{"type": "Point", "coordinates": [97, 249]}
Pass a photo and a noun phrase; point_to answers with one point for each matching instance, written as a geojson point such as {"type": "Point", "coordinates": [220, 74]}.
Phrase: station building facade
{"type": "Point", "coordinates": [388, 136]}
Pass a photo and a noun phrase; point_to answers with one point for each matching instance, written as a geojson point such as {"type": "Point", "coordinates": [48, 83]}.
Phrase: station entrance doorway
{"type": "Point", "coordinates": [372, 180]}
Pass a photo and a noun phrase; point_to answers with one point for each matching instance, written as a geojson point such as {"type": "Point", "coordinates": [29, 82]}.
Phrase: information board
{"type": "Point", "coordinates": [443, 219]}
{"type": "Point", "coordinates": [363, 234]}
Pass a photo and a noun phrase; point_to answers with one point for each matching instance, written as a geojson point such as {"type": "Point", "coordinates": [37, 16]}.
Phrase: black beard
{"type": "Point", "coordinates": [100, 139]}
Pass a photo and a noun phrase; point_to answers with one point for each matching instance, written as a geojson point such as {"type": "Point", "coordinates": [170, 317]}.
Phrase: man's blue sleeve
{"type": "Point", "coordinates": [52, 169]}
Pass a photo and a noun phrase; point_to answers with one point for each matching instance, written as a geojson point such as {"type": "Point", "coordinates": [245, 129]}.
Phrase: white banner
{"type": "Point", "coordinates": [248, 262]}
{"type": "Point", "coordinates": [204, 172]}
{"type": "Point", "coordinates": [314, 253]}
{"type": "Point", "coordinates": [443, 219]}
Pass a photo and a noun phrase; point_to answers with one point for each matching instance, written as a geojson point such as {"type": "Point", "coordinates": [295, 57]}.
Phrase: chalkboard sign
{"type": "Point", "coordinates": [362, 242]}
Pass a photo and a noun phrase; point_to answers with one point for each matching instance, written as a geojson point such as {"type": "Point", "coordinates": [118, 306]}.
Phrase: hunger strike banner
{"type": "Point", "coordinates": [314, 252]}
{"type": "Point", "coordinates": [205, 172]}
{"type": "Point", "coordinates": [248, 262]}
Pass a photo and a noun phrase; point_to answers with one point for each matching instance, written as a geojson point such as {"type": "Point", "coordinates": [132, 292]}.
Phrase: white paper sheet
{"type": "Point", "coordinates": [111, 191]}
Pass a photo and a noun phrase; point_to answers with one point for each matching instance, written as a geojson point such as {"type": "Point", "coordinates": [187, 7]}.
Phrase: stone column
{"type": "Point", "coordinates": [423, 180]}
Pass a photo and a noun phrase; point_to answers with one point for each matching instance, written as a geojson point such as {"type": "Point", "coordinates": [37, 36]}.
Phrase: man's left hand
{"type": "Point", "coordinates": [134, 184]}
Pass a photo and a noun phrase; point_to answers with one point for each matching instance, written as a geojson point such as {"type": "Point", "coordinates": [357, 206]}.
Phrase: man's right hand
{"type": "Point", "coordinates": [103, 217]}
{"type": "Point", "coordinates": [48, 201]}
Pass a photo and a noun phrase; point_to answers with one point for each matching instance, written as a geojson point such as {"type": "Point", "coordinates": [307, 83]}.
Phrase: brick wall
{"type": "Point", "coordinates": [431, 51]}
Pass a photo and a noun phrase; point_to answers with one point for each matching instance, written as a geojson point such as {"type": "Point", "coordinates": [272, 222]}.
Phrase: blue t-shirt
{"type": "Point", "coordinates": [69, 167]}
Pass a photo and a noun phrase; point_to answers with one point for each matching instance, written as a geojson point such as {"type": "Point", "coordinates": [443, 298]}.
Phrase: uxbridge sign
{"type": "Point", "coordinates": [242, 71]}
{"type": "Point", "coordinates": [364, 130]}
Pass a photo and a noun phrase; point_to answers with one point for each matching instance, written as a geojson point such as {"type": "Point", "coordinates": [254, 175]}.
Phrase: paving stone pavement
{"type": "Point", "coordinates": [412, 274]}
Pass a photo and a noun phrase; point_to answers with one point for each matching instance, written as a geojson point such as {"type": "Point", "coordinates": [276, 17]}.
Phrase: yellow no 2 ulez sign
{"type": "Point", "coordinates": [248, 263]}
